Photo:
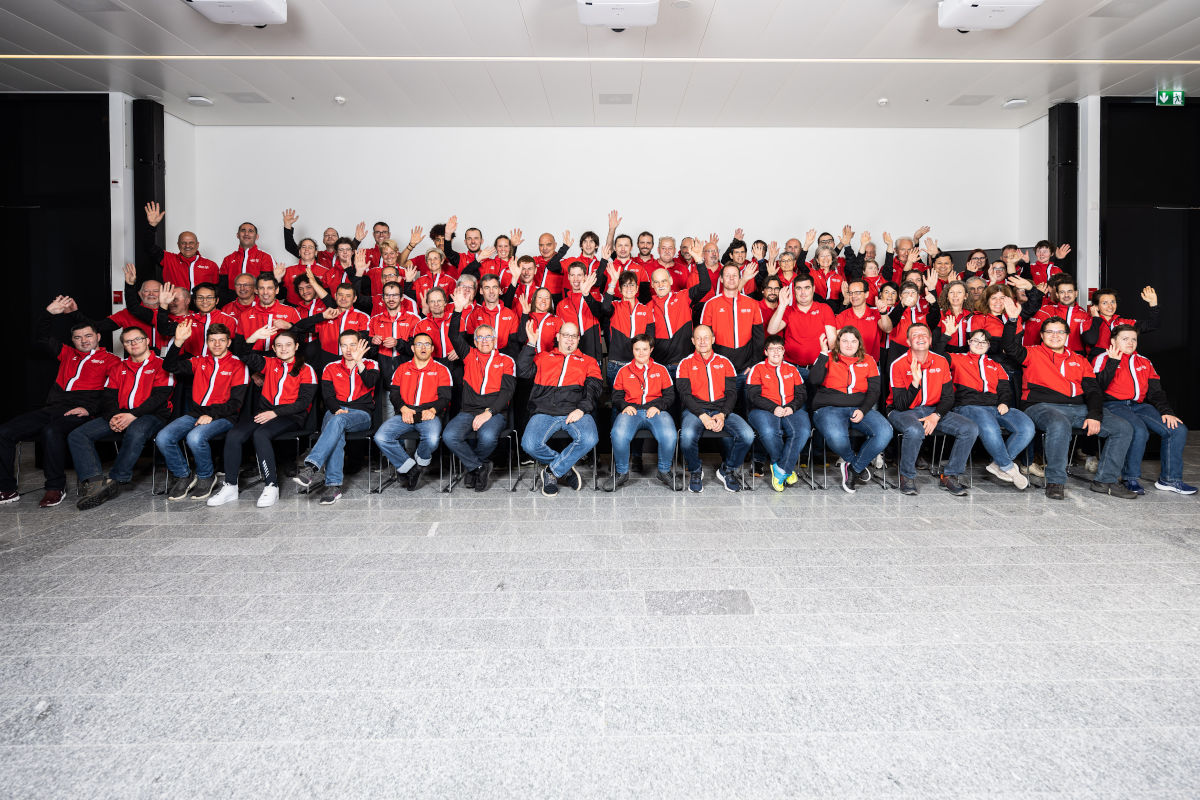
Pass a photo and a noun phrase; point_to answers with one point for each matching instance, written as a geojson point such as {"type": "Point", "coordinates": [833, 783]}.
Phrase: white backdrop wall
{"type": "Point", "coordinates": [1033, 205]}
{"type": "Point", "coordinates": [774, 182]}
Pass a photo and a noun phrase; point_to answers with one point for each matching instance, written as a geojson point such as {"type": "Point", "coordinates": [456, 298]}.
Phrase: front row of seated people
{"type": "Point", "coordinates": [964, 394]}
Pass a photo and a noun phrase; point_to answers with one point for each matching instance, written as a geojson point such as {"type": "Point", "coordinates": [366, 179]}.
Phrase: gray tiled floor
{"type": "Point", "coordinates": [633, 645]}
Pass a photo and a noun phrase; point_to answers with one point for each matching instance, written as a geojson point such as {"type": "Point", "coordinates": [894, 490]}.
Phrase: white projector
{"type": "Point", "coordinates": [983, 15]}
{"type": "Point", "coordinates": [242, 12]}
{"type": "Point", "coordinates": [618, 14]}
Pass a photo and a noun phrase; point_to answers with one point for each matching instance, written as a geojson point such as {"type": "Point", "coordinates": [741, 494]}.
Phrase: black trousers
{"type": "Point", "coordinates": [264, 448]}
{"type": "Point", "coordinates": [50, 427]}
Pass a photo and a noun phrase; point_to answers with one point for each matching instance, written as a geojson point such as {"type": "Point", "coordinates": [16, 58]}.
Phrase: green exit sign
{"type": "Point", "coordinates": [1169, 98]}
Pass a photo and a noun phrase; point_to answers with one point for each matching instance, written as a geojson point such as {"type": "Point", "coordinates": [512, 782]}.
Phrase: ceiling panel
{"type": "Point", "coordinates": [521, 93]}
{"type": "Point", "coordinates": [662, 90]}
{"type": "Point", "coordinates": [569, 92]}
{"type": "Point", "coordinates": [553, 28]}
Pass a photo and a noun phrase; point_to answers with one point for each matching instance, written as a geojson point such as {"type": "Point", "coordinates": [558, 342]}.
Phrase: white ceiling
{"type": "Point", "coordinates": [542, 91]}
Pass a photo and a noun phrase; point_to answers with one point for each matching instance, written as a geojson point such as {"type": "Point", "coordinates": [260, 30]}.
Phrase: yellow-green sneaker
{"type": "Point", "coordinates": [777, 478]}
{"type": "Point", "coordinates": [791, 479]}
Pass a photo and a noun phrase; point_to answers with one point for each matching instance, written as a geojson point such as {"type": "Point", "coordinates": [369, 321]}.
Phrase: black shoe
{"type": "Point", "coordinates": [922, 463]}
{"type": "Point", "coordinates": [180, 487]}
{"type": "Point", "coordinates": [413, 477]}
{"type": "Point", "coordinates": [571, 480]}
{"type": "Point", "coordinates": [549, 483]}
{"type": "Point", "coordinates": [621, 479]}
{"type": "Point", "coordinates": [950, 484]}
{"type": "Point", "coordinates": [666, 479]}
{"type": "Point", "coordinates": [863, 477]}
{"type": "Point", "coordinates": [760, 469]}
{"type": "Point", "coordinates": [908, 485]}
{"type": "Point", "coordinates": [98, 494]}
{"type": "Point", "coordinates": [469, 476]}
{"type": "Point", "coordinates": [483, 476]}
{"type": "Point", "coordinates": [308, 477]}
{"type": "Point", "coordinates": [331, 495]}
{"type": "Point", "coordinates": [1114, 489]}
{"type": "Point", "coordinates": [1056, 491]}
{"type": "Point", "coordinates": [204, 487]}
{"type": "Point", "coordinates": [847, 475]}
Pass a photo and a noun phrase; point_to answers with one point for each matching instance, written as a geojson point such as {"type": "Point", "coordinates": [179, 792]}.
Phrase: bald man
{"type": "Point", "coordinates": [186, 267]}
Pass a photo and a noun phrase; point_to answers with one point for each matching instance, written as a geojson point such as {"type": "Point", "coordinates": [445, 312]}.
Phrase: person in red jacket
{"type": "Point", "coordinates": [187, 268]}
{"type": "Point", "coordinates": [1133, 391]}
{"type": "Point", "coordinates": [643, 394]}
{"type": "Point", "coordinates": [243, 295]}
{"type": "Point", "coordinates": [625, 318]}
{"type": "Point", "coordinates": [219, 385]}
{"type": "Point", "coordinates": [331, 323]}
{"type": "Point", "coordinates": [921, 399]}
{"type": "Point", "coordinates": [420, 394]}
{"type": "Point", "coordinates": [566, 388]}
{"type": "Point", "coordinates": [707, 386]}
{"type": "Point", "coordinates": [247, 259]}
{"type": "Point", "coordinates": [268, 311]}
{"type": "Point", "coordinates": [204, 298]}
{"type": "Point", "coordinates": [1061, 394]}
{"type": "Point", "coordinates": [776, 395]}
{"type": "Point", "coordinates": [348, 393]}
{"type": "Point", "coordinates": [390, 332]}
{"type": "Point", "coordinates": [74, 397]}
{"type": "Point", "coordinates": [802, 321]}
{"type": "Point", "coordinates": [135, 404]}
{"type": "Point", "coordinates": [735, 320]}
{"type": "Point", "coordinates": [434, 278]}
{"type": "Point", "coordinates": [1105, 318]}
{"type": "Point", "coordinates": [873, 325]}
{"type": "Point", "coordinates": [673, 310]}
{"type": "Point", "coordinates": [329, 237]}
{"type": "Point", "coordinates": [577, 305]}
{"type": "Point", "coordinates": [549, 262]}
{"type": "Point", "coordinates": [504, 322]}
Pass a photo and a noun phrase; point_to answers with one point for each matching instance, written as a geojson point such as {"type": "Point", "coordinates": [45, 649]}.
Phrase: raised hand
{"type": "Point", "coordinates": [360, 230]}
{"type": "Point", "coordinates": [289, 217]}
{"type": "Point", "coordinates": [739, 234]}
{"type": "Point", "coordinates": [919, 232]}
{"type": "Point", "coordinates": [411, 273]}
{"type": "Point", "coordinates": [360, 263]}
{"type": "Point", "coordinates": [864, 240]}
{"type": "Point", "coordinates": [1114, 352]}
{"type": "Point", "coordinates": [486, 253]}
{"type": "Point", "coordinates": [772, 252]}
{"type": "Point", "coordinates": [265, 332]}
{"type": "Point", "coordinates": [785, 295]}
{"type": "Point", "coordinates": [824, 342]}
{"type": "Point", "coordinates": [526, 306]}
{"type": "Point", "coordinates": [358, 351]}
{"type": "Point", "coordinates": [759, 251]}
{"type": "Point", "coordinates": [451, 226]}
{"type": "Point", "coordinates": [566, 239]}
{"type": "Point", "coordinates": [530, 328]}
{"type": "Point", "coordinates": [331, 313]}
{"type": "Point", "coordinates": [1094, 309]}
{"type": "Point", "coordinates": [1011, 310]}
{"type": "Point", "coordinates": [931, 246]}
{"type": "Point", "coordinates": [887, 240]}
{"type": "Point", "coordinates": [415, 237]}
{"type": "Point", "coordinates": [515, 237]}
{"type": "Point", "coordinates": [613, 273]}
{"type": "Point", "coordinates": [182, 331]}
{"type": "Point", "coordinates": [165, 295]}
{"type": "Point", "coordinates": [1062, 251]}
{"type": "Point", "coordinates": [130, 274]}
{"type": "Point", "coordinates": [948, 325]}
{"type": "Point", "coordinates": [58, 305]}
{"type": "Point", "coordinates": [614, 220]}
{"type": "Point", "coordinates": [931, 280]}
{"type": "Point", "coordinates": [810, 236]}
{"type": "Point", "coordinates": [749, 274]}
{"type": "Point", "coordinates": [1150, 296]}
{"type": "Point", "coordinates": [461, 298]}
{"type": "Point", "coordinates": [847, 235]}
{"type": "Point", "coordinates": [589, 281]}
{"type": "Point", "coordinates": [514, 269]}
{"type": "Point", "coordinates": [605, 251]}
{"type": "Point", "coordinates": [154, 213]}
{"type": "Point", "coordinates": [1017, 282]}
{"type": "Point", "coordinates": [914, 369]}
{"type": "Point", "coordinates": [280, 271]}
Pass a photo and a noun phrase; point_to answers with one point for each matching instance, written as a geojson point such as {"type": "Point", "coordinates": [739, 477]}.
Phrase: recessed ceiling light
{"type": "Point", "coordinates": [341, 101]}
{"type": "Point", "coordinates": [246, 97]}
{"type": "Point", "coordinates": [615, 98]}
{"type": "Point", "coordinates": [1016, 102]}
{"type": "Point", "coordinates": [682, 3]}
{"type": "Point", "coordinates": [199, 100]}
{"type": "Point", "coordinates": [881, 102]}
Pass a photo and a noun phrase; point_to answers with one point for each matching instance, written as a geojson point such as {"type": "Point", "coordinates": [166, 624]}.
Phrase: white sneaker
{"type": "Point", "coordinates": [878, 461]}
{"type": "Point", "coordinates": [1091, 464]}
{"type": "Point", "coordinates": [1001, 474]}
{"type": "Point", "coordinates": [1018, 480]}
{"type": "Point", "coordinates": [268, 497]}
{"type": "Point", "coordinates": [1037, 469]}
{"type": "Point", "coordinates": [227, 494]}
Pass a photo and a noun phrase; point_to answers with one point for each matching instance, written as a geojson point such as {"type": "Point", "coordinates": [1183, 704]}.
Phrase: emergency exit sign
{"type": "Point", "coordinates": [1170, 98]}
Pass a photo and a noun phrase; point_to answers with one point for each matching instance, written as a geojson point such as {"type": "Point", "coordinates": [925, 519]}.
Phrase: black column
{"type": "Point", "coordinates": [149, 172]}
{"type": "Point", "coordinates": [1062, 206]}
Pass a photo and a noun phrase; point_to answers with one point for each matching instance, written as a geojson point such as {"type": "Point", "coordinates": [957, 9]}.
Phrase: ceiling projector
{"type": "Point", "coordinates": [242, 12]}
{"type": "Point", "coordinates": [983, 15]}
{"type": "Point", "coordinates": [618, 14]}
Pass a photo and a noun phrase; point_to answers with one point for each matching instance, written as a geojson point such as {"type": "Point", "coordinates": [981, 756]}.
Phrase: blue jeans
{"type": "Point", "coordinates": [541, 427]}
{"type": "Point", "coordinates": [1058, 420]}
{"type": "Point", "coordinates": [782, 437]}
{"type": "Point", "coordinates": [197, 438]}
{"type": "Point", "coordinates": [964, 431]}
{"type": "Point", "coordinates": [1145, 419]}
{"type": "Point", "coordinates": [458, 431]}
{"type": "Point", "coordinates": [736, 438]}
{"type": "Point", "coordinates": [387, 438]}
{"type": "Point", "coordinates": [611, 368]}
{"type": "Point", "coordinates": [625, 426]}
{"type": "Point", "coordinates": [834, 424]}
{"type": "Point", "coordinates": [330, 450]}
{"type": "Point", "coordinates": [991, 423]}
{"type": "Point", "coordinates": [82, 442]}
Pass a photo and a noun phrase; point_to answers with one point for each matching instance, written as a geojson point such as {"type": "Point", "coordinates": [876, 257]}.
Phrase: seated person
{"type": "Point", "coordinates": [1133, 391]}
{"type": "Point", "coordinates": [1105, 318]}
{"type": "Point", "coordinates": [289, 387]}
{"type": "Point", "coordinates": [642, 397]}
{"type": "Point", "coordinates": [420, 394]}
{"type": "Point", "coordinates": [775, 394]}
{"type": "Point", "coordinates": [136, 403]}
{"type": "Point", "coordinates": [74, 397]}
{"type": "Point", "coordinates": [566, 386]}
{"type": "Point", "coordinates": [1061, 394]}
{"type": "Point", "coordinates": [219, 384]}
{"type": "Point", "coordinates": [920, 402]}
{"type": "Point", "coordinates": [707, 386]}
{"type": "Point", "coordinates": [847, 382]}
{"type": "Point", "coordinates": [348, 392]}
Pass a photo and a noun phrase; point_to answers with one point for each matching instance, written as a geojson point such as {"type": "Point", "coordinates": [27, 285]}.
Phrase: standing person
{"type": "Point", "coordinates": [219, 381]}
{"type": "Point", "coordinates": [420, 394]}
{"type": "Point", "coordinates": [802, 321]}
{"type": "Point", "coordinates": [566, 387]}
{"type": "Point", "coordinates": [348, 392]}
{"type": "Point", "coordinates": [577, 305]}
{"type": "Point", "coordinates": [673, 310]}
{"type": "Point", "coordinates": [288, 389]}
{"type": "Point", "coordinates": [1105, 319]}
{"type": "Point", "coordinates": [204, 299]}
{"type": "Point", "coordinates": [775, 394]}
{"type": "Point", "coordinates": [331, 323]}
{"type": "Point", "coordinates": [243, 296]}
{"type": "Point", "coordinates": [329, 237]}
{"type": "Point", "coordinates": [735, 320]}
{"type": "Point", "coordinates": [873, 325]}
{"type": "Point", "coordinates": [625, 318]}
{"type": "Point", "coordinates": [268, 311]}
{"type": "Point", "coordinates": [186, 268]}
{"type": "Point", "coordinates": [643, 394]}
{"type": "Point", "coordinates": [247, 259]}
{"type": "Point", "coordinates": [74, 397]}
{"type": "Point", "coordinates": [136, 403]}
{"type": "Point", "coordinates": [707, 386]}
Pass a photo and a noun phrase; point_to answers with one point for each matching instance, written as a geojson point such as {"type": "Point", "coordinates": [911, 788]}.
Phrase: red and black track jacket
{"type": "Point", "coordinates": [979, 381]}
{"type": "Point", "coordinates": [400, 327]}
{"type": "Point", "coordinates": [561, 383]}
{"type": "Point", "coordinates": [673, 320]}
{"type": "Point", "coordinates": [737, 326]}
{"type": "Point", "coordinates": [81, 376]}
{"type": "Point", "coordinates": [1132, 378]}
{"type": "Point", "coordinates": [286, 394]}
{"type": "Point", "coordinates": [642, 387]}
{"type": "Point", "coordinates": [935, 389]}
{"type": "Point", "coordinates": [141, 389]}
{"type": "Point", "coordinates": [328, 330]}
{"type": "Point", "coordinates": [219, 385]}
{"type": "Point", "coordinates": [844, 383]}
{"type": "Point", "coordinates": [258, 315]}
{"type": "Point", "coordinates": [550, 272]}
{"type": "Point", "coordinates": [420, 387]}
{"type": "Point", "coordinates": [585, 312]}
{"type": "Point", "coordinates": [173, 268]}
{"type": "Point", "coordinates": [625, 319]}
{"type": "Point", "coordinates": [504, 321]}
{"type": "Point", "coordinates": [342, 387]}
{"type": "Point", "coordinates": [1096, 338]}
{"type": "Point", "coordinates": [707, 385]}
{"type": "Point", "coordinates": [197, 342]}
{"type": "Point", "coordinates": [769, 387]}
{"type": "Point", "coordinates": [252, 261]}
{"type": "Point", "coordinates": [488, 380]}
{"type": "Point", "coordinates": [1049, 377]}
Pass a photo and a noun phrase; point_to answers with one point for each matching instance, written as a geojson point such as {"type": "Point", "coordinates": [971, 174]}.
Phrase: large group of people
{"type": "Point", "coordinates": [760, 349]}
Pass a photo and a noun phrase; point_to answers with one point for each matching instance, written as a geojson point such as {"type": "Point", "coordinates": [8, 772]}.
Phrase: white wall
{"type": "Point", "coordinates": [1034, 181]}
{"type": "Point", "coordinates": [181, 202]}
{"type": "Point", "coordinates": [1088, 246]}
{"type": "Point", "coordinates": [774, 182]}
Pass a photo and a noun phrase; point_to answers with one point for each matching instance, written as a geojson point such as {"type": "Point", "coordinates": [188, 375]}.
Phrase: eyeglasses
{"type": "Point", "coordinates": [568, 335]}
{"type": "Point", "coordinates": [977, 258]}
{"type": "Point", "coordinates": [1054, 333]}
{"type": "Point", "coordinates": [133, 341]}
{"type": "Point", "coordinates": [978, 341]}
{"type": "Point", "coordinates": [481, 337]}
{"type": "Point", "coordinates": [422, 344]}
{"type": "Point", "coordinates": [856, 291]}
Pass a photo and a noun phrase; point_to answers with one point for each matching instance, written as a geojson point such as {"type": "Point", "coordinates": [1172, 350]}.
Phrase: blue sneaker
{"type": "Point", "coordinates": [1174, 486]}
{"type": "Point", "coordinates": [1133, 486]}
{"type": "Point", "coordinates": [728, 479]}
{"type": "Point", "coordinates": [696, 481]}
